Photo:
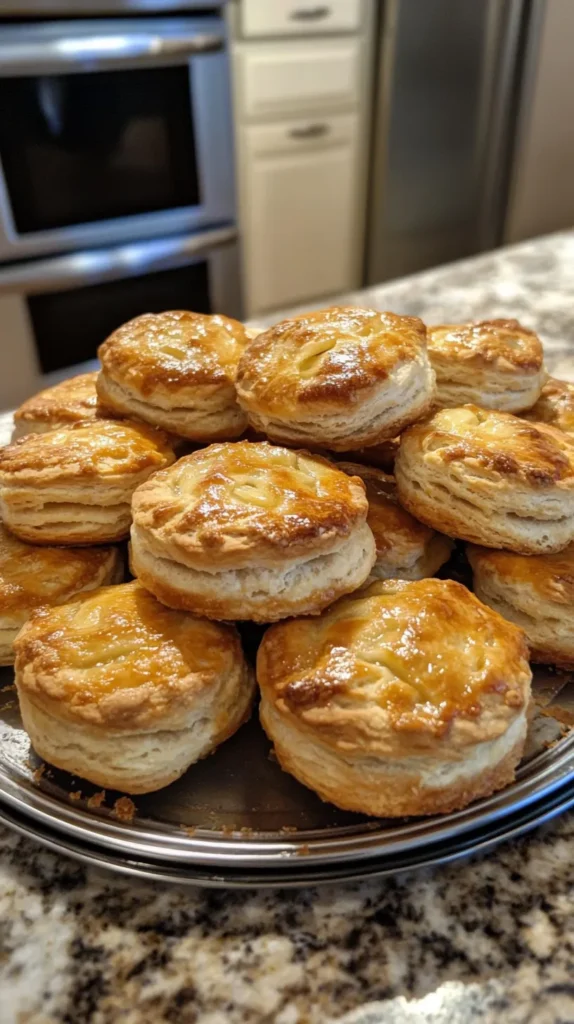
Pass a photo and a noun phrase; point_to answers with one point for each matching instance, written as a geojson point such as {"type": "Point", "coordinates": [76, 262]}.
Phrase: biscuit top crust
{"type": "Point", "coordinates": [330, 358]}
{"type": "Point", "coordinates": [227, 504]}
{"type": "Point", "coordinates": [173, 350]}
{"type": "Point", "coordinates": [71, 400]}
{"type": "Point", "coordinates": [117, 657]}
{"type": "Point", "coordinates": [396, 666]}
{"type": "Point", "coordinates": [555, 406]}
{"type": "Point", "coordinates": [501, 345]}
{"type": "Point", "coordinates": [97, 449]}
{"type": "Point", "coordinates": [550, 576]}
{"type": "Point", "coordinates": [494, 442]}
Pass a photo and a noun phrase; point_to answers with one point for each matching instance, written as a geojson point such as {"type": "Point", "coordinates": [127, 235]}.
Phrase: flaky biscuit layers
{"type": "Point", "coordinates": [490, 478]}
{"type": "Point", "coordinates": [74, 485]}
{"type": "Point", "coordinates": [31, 576]}
{"type": "Point", "coordinates": [406, 698]}
{"type": "Point", "coordinates": [176, 370]}
{"type": "Point", "coordinates": [68, 402]}
{"type": "Point", "coordinates": [337, 378]}
{"type": "Point", "coordinates": [406, 549]}
{"type": "Point", "coordinates": [126, 693]}
{"type": "Point", "coordinates": [497, 364]}
{"type": "Point", "coordinates": [555, 406]}
{"type": "Point", "coordinates": [251, 531]}
{"type": "Point", "coordinates": [536, 592]}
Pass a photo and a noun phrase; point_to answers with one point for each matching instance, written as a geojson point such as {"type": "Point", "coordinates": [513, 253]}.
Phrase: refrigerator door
{"type": "Point", "coordinates": [446, 93]}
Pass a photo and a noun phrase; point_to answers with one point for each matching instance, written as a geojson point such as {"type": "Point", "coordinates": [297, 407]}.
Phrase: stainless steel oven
{"type": "Point", "coordinates": [112, 128]}
{"type": "Point", "coordinates": [54, 312]}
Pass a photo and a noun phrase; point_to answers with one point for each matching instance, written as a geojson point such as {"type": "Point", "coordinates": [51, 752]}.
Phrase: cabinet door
{"type": "Point", "coordinates": [300, 222]}
{"type": "Point", "coordinates": [299, 17]}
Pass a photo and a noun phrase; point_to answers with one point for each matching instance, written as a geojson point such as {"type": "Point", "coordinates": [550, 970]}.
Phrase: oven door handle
{"type": "Point", "coordinates": [85, 53]}
{"type": "Point", "coordinates": [75, 270]}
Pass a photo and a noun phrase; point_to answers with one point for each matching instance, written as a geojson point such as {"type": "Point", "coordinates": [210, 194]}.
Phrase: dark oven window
{"type": "Point", "coordinates": [88, 147]}
{"type": "Point", "coordinates": [69, 325]}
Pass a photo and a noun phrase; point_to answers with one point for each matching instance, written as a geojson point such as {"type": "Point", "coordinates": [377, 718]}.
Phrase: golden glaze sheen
{"type": "Point", "coordinates": [102, 449]}
{"type": "Point", "coordinates": [71, 400]}
{"type": "Point", "coordinates": [551, 577]}
{"type": "Point", "coordinates": [225, 504]}
{"type": "Point", "coordinates": [412, 657]}
{"type": "Point", "coordinates": [172, 350]}
{"type": "Point", "coordinates": [502, 344]}
{"type": "Point", "coordinates": [118, 657]}
{"type": "Point", "coordinates": [326, 357]}
{"type": "Point", "coordinates": [555, 406]}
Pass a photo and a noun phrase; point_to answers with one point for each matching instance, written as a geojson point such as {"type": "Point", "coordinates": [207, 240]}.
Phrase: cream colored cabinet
{"type": "Point", "coordinates": [299, 17]}
{"type": "Point", "coordinates": [299, 239]}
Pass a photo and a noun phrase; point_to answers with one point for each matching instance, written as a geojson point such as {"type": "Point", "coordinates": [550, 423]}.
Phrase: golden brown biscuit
{"type": "Point", "coordinates": [497, 364]}
{"type": "Point", "coordinates": [31, 576]}
{"type": "Point", "coordinates": [126, 693]}
{"type": "Point", "coordinates": [74, 485]}
{"type": "Point", "coordinates": [406, 549]}
{"type": "Point", "coordinates": [67, 402]}
{"type": "Point", "coordinates": [176, 370]}
{"type": "Point", "coordinates": [536, 592]}
{"type": "Point", "coordinates": [405, 698]}
{"type": "Point", "coordinates": [382, 455]}
{"type": "Point", "coordinates": [337, 378]}
{"type": "Point", "coordinates": [251, 531]}
{"type": "Point", "coordinates": [490, 478]}
{"type": "Point", "coordinates": [555, 406]}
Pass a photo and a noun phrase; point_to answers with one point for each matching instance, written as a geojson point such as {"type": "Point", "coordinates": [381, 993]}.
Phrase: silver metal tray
{"type": "Point", "coordinates": [237, 816]}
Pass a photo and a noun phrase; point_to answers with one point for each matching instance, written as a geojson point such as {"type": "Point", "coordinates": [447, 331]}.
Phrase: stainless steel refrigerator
{"type": "Point", "coordinates": [446, 108]}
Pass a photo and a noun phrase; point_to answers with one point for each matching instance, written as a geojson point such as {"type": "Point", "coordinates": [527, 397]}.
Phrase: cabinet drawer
{"type": "Point", "coordinates": [279, 78]}
{"type": "Point", "coordinates": [299, 134]}
{"type": "Point", "coordinates": [299, 17]}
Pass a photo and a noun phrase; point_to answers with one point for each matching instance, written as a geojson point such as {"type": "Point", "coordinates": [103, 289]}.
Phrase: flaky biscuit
{"type": "Point", "coordinates": [338, 378]}
{"type": "Point", "coordinates": [536, 592]}
{"type": "Point", "coordinates": [74, 485]}
{"type": "Point", "coordinates": [406, 698]}
{"type": "Point", "coordinates": [122, 691]}
{"type": "Point", "coordinates": [406, 549]}
{"type": "Point", "coordinates": [31, 576]}
{"type": "Point", "coordinates": [68, 402]}
{"type": "Point", "coordinates": [489, 478]}
{"type": "Point", "coordinates": [497, 364]}
{"type": "Point", "coordinates": [555, 406]}
{"type": "Point", "coordinates": [251, 531]}
{"type": "Point", "coordinates": [176, 370]}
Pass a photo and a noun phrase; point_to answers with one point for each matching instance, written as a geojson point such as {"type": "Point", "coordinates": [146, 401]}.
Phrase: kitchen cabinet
{"type": "Point", "coordinates": [299, 17]}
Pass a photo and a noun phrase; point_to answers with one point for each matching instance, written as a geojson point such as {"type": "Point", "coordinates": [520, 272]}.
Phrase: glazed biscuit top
{"type": "Point", "coordinates": [71, 400]}
{"type": "Point", "coordinates": [31, 576]}
{"type": "Point", "coordinates": [173, 350]}
{"type": "Point", "coordinates": [100, 448]}
{"type": "Point", "coordinates": [505, 446]}
{"type": "Point", "coordinates": [228, 503]}
{"type": "Point", "coordinates": [555, 405]}
{"type": "Point", "coordinates": [326, 358]}
{"type": "Point", "coordinates": [394, 529]}
{"type": "Point", "coordinates": [397, 666]}
{"type": "Point", "coordinates": [119, 658]}
{"type": "Point", "coordinates": [551, 577]}
{"type": "Point", "coordinates": [502, 345]}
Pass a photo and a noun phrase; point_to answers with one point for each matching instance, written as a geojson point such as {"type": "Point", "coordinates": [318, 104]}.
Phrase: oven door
{"type": "Point", "coordinates": [55, 312]}
{"type": "Point", "coordinates": [112, 130]}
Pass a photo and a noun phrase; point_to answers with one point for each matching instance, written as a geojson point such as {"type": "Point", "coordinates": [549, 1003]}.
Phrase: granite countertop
{"type": "Point", "coordinates": [485, 940]}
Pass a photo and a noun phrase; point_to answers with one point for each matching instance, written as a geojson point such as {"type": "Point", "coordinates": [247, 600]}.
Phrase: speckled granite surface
{"type": "Point", "coordinates": [487, 940]}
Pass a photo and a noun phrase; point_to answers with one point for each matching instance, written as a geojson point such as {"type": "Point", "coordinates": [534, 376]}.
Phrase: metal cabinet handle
{"type": "Point", "coordinates": [310, 131]}
{"type": "Point", "coordinates": [310, 13]}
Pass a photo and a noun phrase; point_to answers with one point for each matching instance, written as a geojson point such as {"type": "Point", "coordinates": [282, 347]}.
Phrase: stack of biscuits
{"type": "Point", "coordinates": [333, 462]}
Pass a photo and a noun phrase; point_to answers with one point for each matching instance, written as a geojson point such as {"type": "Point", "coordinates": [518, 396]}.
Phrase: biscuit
{"type": "Point", "coordinates": [176, 370]}
{"type": "Point", "coordinates": [382, 455]}
{"type": "Point", "coordinates": [338, 378]}
{"type": "Point", "coordinates": [489, 478]}
{"type": "Point", "coordinates": [31, 576]}
{"type": "Point", "coordinates": [121, 691]}
{"type": "Point", "coordinates": [536, 593]}
{"type": "Point", "coordinates": [251, 531]}
{"type": "Point", "coordinates": [555, 406]}
{"type": "Point", "coordinates": [497, 364]}
{"type": "Point", "coordinates": [406, 698]}
{"type": "Point", "coordinates": [74, 485]}
{"type": "Point", "coordinates": [406, 549]}
{"type": "Point", "coordinates": [68, 402]}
